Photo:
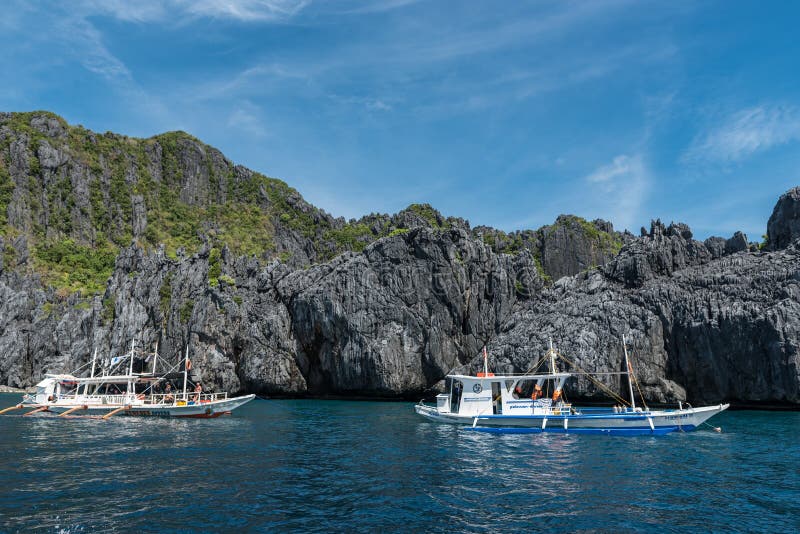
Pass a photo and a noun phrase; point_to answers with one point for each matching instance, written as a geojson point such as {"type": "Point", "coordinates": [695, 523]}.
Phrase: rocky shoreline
{"type": "Point", "coordinates": [9, 389]}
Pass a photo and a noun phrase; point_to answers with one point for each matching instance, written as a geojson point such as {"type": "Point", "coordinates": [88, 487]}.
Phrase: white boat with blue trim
{"type": "Point", "coordinates": [523, 403]}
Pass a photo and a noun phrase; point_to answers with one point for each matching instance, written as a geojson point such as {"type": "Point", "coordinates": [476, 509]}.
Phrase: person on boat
{"type": "Point", "coordinates": [517, 392]}
{"type": "Point", "coordinates": [168, 396]}
{"type": "Point", "coordinates": [198, 389]}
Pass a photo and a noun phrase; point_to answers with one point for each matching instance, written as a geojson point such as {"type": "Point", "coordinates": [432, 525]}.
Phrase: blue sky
{"type": "Point", "coordinates": [505, 113]}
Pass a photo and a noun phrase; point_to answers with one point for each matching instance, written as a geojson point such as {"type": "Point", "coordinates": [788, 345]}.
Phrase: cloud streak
{"type": "Point", "coordinates": [148, 11]}
{"type": "Point", "coordinates": [745, 133]}
{"type": "Point", "coordinates": [618, 188]}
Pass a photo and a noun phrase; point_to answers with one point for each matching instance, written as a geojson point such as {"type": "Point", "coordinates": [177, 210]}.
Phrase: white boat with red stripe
{"type": "Point", "coordinates": [107, 393]}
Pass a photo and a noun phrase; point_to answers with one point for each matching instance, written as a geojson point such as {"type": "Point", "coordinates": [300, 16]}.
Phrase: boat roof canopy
{"type": "Point", "coordinates": [519, 378]}
{"type": "Point", "coordinates": [106, 379]}
{"type": "Point", "coordinates": [59, 378]}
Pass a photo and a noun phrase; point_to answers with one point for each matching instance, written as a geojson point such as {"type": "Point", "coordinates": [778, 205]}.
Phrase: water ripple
{"type": "Point", "coordinates": [318, 466]}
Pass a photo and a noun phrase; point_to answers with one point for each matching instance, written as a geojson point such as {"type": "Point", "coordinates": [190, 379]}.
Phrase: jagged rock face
{"type": "Point", "coordinates": [396, 318]}
{"type": "Point", "coordinates": [784, 224]}
{"type": "Point", "coordinates": [565, 248]}
{"type": "Point", "coordinates": [660, 253]}
{"type": "Point", "coordinates": [726, 330]}
{"type": "Point", "coordinates": [719, 246]}
{"type": "Point", "coordinates": [413, 295]}
{"type": "Point", "coordinates": [572, 245]}
{"type": "Point", "coordinates": [390, 321]}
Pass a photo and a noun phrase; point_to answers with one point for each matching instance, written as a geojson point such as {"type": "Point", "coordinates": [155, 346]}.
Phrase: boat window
{"type": "Point", "coordinates": [455, 395]}
{"type": "Point", "coordinates": [497, 399]}
{"type": "Point", "coordinates": [524, 389]}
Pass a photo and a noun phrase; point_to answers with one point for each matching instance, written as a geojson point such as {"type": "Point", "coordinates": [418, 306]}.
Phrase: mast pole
{"type": "Point", "coordinates": [628, 366]}
{"type": "Point", "coordinates": [130, 368]}
{"type": "Point", "coordinates": [552, 358]}
{"type": "Point", "coordinates": [94, 360]}
{"type": "Point", "coordinates": [155, 358]}
{"type": "Point", "coordinates": [485, 362]}
{"type": "Point", "coordinates": [185, 371]}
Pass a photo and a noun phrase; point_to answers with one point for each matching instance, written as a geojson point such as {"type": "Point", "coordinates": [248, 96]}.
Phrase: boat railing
{"type": "Point", "coordinates": [561, 409]}
{"type": "Point", "coordinates": [145, 398]}
{"type": "Point", "coordinates": [174, 398]}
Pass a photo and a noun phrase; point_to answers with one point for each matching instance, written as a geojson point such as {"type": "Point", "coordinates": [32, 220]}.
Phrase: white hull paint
{"type": "Point", "coordinates": [684, 419]}
{"type": "Point", "coordinates": [209, 409]}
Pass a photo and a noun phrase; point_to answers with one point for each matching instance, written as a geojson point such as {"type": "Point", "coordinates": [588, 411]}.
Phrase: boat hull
{"type": "Point", "coordinates": [203, 410]}
{"type": "Point", "coordinates": [627, 423]}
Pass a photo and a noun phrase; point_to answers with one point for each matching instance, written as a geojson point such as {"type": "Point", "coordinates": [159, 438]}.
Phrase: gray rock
{"type": "Point", "coordinates": [708, 321]}
{"type": "Point", "coordinates": [726, 329]}
{"type": "Point", "coordinates": [716, 246]}
{"type": "Point", "coordinates": [784, 224]}
{"type": "Point", "coordinates": [737, 243]}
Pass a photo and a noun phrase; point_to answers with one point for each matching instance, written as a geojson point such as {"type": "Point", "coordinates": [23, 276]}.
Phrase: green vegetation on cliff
{"type": "Point", "coordinates": [73, 267]}
{"type": "Point", "coordinates": [78, 197]}
{"type": "Point", "coordinates": [605, 241]}
{"type": "Point", "coordinates": [96, 193]}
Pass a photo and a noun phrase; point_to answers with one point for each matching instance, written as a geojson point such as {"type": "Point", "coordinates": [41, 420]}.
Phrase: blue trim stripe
{"type": "Point", "coordinates": [659, 431]}
{"type": "Point", "coordinates": [624, 416]}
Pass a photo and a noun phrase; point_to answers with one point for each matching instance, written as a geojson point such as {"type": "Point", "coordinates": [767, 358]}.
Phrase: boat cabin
{"type": "Point", "coordinates": [487, 394]}
{"type": "Point", "coordinates": [58, 387]}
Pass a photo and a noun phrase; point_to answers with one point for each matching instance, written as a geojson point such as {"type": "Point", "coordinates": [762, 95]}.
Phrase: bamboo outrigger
{"type": "Point", "coordinates": [144, 394]}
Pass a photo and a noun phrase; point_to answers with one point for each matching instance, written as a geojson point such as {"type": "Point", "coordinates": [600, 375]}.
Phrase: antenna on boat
{"type": "Point", "coordinates": [485, 362]}
{"type": "Point", "coordinates": [185, 371]}
{"type": "Point", "coordinates": [94, 360]}
{"type": "Point", "coordinates": [131, 389]}
{"type": "Point", "coordinates": [552, 357]}
{"type": "Point", "coordinates": [628, 366]}
{"type": "Point", "coordinates": [155, 358]}
{"type": "Point", "coordinates": [133, 345]}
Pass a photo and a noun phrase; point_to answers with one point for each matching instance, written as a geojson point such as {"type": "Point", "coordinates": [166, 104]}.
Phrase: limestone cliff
{"type": "Point", "coordinates": [104, 238]}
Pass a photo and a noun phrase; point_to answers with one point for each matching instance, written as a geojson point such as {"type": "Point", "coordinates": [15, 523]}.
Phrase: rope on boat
{"type": "Point", "coordinates": [593, 380]}
{"type": "Point", "coordinates": [636, 381]}
{"type": "Point", "coordinates": [714, 428]}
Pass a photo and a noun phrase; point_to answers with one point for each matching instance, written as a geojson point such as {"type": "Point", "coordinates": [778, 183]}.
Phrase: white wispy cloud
{"type": "Point", "coordinates": [617, 190]}
{"type": "Point", "coordinates": [94, 56]}
{"type": "Point", "coordinates": [245, 10]}
{"type": "Point", "coordinates": [372, 6]}
{"type": "Point", "coordinates": [245, 117]}
{"type": "Point", "coordinates": [744, 133]}
{"type": "Point", "coordinates": [620, 166]}
{"type": "Point", "coordinates": [147, 11]}
{"type": "Point", "coordinates": [140, 11]}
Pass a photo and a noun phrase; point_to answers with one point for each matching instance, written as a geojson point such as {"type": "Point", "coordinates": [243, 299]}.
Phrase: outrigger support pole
{"type": "Point", "coordinates": [10, 408]}
{"type": "Point", "coordinates": [628, 366]}
{"type": "Point", "coordinates": [115, 412]}
{"type": "Point", "coordinates": [73, 409]}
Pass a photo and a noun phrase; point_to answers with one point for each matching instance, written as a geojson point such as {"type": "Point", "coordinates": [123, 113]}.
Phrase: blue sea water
{"type": "Point", "coordinates": [336, 466]}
